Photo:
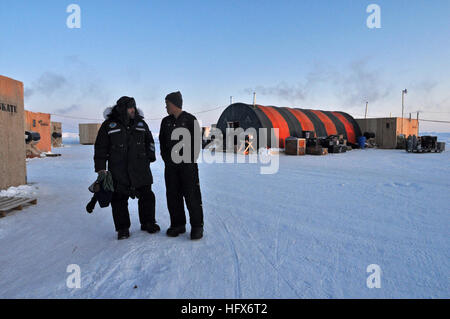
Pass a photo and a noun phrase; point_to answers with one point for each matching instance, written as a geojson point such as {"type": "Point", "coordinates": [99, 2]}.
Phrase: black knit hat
{"type": "Point", "coordinates": [175, 98]}
{"type": "Point", "coordinates": [127, 101]}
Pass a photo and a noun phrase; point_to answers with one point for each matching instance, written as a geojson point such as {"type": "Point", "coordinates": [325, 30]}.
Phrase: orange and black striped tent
{"type": "Point", "coordinates": [289, 121]}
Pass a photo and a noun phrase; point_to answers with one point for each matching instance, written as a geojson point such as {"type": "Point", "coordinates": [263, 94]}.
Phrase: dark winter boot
{"type": "Point", "coordinates": [196, 233]}
{"type": "Point", "coordinates": [175, 231]}
{"type": "Point", "coordinates": [151, 228]}
{"type": "Point", "coordinates": [123, 234]}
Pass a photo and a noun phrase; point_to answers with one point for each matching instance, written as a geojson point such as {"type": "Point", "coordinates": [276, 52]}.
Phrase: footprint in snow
{"type": "Point", "coordinates": [403, 185]}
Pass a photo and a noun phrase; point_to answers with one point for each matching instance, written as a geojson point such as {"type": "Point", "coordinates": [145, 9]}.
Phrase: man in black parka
{"type": "Point", "coordinates": [181, 177]}
{"type": "Point", "coordinates": [125, 142]}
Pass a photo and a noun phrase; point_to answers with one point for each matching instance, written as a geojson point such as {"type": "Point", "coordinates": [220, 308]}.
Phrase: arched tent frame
{"type": "Point", "coordinates": [290, 121]}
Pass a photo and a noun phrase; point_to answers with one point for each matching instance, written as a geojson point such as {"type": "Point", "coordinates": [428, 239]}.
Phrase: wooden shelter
{"type": "Point", "coordinates": [88, 133]}
{"type": "Point", "coordinates": [56, 134]}
{"type": "Point", "coordinates": [40, 123]}
{"type": "Point", "coordinates": [388, 129]}
{"type": "Point", "coordinates": [12, 135]}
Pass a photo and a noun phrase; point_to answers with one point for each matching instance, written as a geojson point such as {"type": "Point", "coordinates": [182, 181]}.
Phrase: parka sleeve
{"type": "Point", "coordinates": [196, 135]}
{"type": "Point", "coordinates": [162, 143]}
{"type": "Point", "coordinates": [101, 148]}
{"type": "Point", "coordinates": [150, 145]}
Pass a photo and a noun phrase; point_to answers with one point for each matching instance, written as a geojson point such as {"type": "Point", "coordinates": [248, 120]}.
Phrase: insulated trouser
{"type": "Point", "coordinates": [146, 207]}
{"type": "Point", "coordinates": [182, 182]}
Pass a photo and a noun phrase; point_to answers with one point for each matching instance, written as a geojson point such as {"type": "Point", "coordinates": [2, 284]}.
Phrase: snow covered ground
{"type": "Point", "coordinates": [309, 231]}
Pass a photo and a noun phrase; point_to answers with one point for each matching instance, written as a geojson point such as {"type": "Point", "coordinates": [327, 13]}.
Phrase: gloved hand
{"type": "Point", "coordinates": [108, 183]}
{"type": "Point", "coordinates": [105, 178]}
{"type": "Point", "coordinates": [102, 173]}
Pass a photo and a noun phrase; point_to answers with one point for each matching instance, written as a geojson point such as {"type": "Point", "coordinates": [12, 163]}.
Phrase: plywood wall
{"type": "Point", "coordinates": [56, 127]}
{"type": "Point", "coordinates": [410, 127]}
{"type": "Point", "coordinates": [387, 129]}
{"type": "Point", "coordinates": [12, 135]}
{"type": "Point", "coordinates": [88, 133]}
{"type": "Point", "coordinates": [40, 122]}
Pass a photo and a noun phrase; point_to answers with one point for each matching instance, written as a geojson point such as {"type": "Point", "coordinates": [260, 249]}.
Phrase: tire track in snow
{"type": "Point", "coordinates": [237, 269]}
{"type": "Point", "coordinates": [102, 278]}
{"type": "Point", "coordinates": [298, 295]}
{"type": "Point", "coordinates": [260, 251]}
{"type": "Point", "coordinates": [133, 265]}
{"type": "Point", "coordinates": [267, 259]}
{"type": "Point", "coordinates": [274, 267]}
{"type": "Point", "coordinates": [277, 259]}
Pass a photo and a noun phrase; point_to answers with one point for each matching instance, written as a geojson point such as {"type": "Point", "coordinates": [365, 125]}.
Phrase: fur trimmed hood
{"type": "Point", "coordinates": [109, 111]}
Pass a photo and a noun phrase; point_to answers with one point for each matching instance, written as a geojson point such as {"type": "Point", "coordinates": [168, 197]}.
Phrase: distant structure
{"type": "Point", "coordinates": [12, 134]}
{"type": "Point", "coordinates": [88, 133]}
{"type": "Point", "coordinates": [40, 123]}
{"type": "Point", "coordinates": [388, 130]}
{"type": "Point", "coordinates": [56, 134]}
{"type": "Point", "coordinates": [289, 121]}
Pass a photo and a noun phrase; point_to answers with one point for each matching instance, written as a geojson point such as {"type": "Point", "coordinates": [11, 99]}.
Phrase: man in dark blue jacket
{"type": "Point", "coordinates": [181, 177]}
{"type": "Point", "coordinates": [125, 142]}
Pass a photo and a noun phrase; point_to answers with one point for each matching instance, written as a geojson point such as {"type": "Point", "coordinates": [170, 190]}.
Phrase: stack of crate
{"type": "Point", "coordinates": [314, 147]}
{"type": "Point", "coordinates": [316, 150]}
{"type": "Point", "coordinates": [335, 144]}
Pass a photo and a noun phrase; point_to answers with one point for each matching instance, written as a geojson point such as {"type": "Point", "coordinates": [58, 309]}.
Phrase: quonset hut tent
{"type": "Point", "coordinates": [289, 121]}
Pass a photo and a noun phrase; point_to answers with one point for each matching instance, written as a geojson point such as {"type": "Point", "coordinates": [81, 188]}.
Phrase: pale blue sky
{"type": "Point", "coordinates": [316, 54]}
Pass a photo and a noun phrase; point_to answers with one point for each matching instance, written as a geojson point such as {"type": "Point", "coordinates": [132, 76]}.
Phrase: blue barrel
{"type": "Point", "coordinates": [362, 142]}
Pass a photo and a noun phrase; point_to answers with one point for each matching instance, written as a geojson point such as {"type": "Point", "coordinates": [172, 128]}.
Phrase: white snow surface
{"type": "Point", "coordinates": [70, 138]}
{"type": "Point", "coordinates": [309, 231]}
{"type": "Point", "coordinates": [20, 191]}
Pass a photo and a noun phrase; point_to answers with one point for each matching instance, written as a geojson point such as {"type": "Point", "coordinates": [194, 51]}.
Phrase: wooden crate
{"type": "Point", "coordinates": [295, 146]}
